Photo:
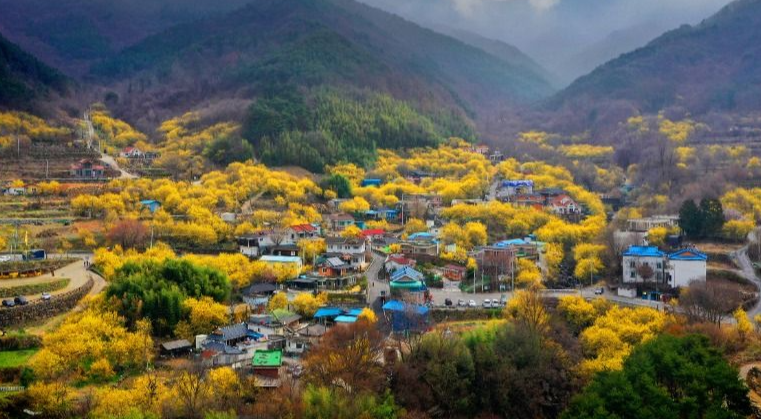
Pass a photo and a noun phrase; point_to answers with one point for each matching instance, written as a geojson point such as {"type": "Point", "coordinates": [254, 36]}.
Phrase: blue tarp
{"type": "Point", "coordinates": [354, 312]}
{"type": "Point", "coordinates": [327, 312]}
{"type": "Point", "coordinates": [346, 319]}
{"type": "Point", "coordinates": [396, 305]}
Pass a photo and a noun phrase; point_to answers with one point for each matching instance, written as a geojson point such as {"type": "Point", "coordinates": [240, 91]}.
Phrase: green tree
{"type": "Point", "coordinates": [712, 217]}
{"type": "Point", "coordinates": [690, 218]}
{"type": "Point", "coordinates": [669, 378]}
{"type": "Point", "coordinates": [338, 184]}
{"type": "Point", "coordinates": [228, 149]}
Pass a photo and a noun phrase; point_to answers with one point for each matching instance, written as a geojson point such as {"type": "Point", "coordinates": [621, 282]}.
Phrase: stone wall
{"type": "Point", "coordinates": [40, 310]}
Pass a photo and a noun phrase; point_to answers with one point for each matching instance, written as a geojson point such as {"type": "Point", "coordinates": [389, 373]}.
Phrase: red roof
{"type": "Point", "coordinates": [304, 228]}
{"type": "Point", "coordinates": [373, 232]}
{"type": "Point", "coordinates": [562, 201]}
{"type": "Point", "coordinates": [401, 260]}
{"type": "Point", "coordinates": [128, 149]}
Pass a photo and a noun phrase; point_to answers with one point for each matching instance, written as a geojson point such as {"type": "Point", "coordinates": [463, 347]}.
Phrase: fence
{"type": "Point", "coordinates": [40, 310]}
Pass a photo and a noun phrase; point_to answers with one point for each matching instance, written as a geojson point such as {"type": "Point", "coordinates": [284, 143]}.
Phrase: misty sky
{"type": "Point", "coordinates": [568, 37]}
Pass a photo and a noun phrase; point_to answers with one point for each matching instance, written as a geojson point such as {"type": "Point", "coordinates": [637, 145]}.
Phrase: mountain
{"type": "Point", "coordinates": [307, 43]}
{"type": "Point", "coordinates": [510, 54]}
{"type": "Point", "coordinates": [614, 44]}
{"type": "Point", "coordinates": [713, 66]}
{"type": "Point", "coordinates": [24, 80]}
{"type": "Point", "coordinates": [73, 34]}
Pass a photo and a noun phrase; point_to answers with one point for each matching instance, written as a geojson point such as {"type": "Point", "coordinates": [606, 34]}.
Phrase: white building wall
{"type": "Point", "coordinates": [638, 260]}
{"type": "Point", "coordinates": [685, 271]}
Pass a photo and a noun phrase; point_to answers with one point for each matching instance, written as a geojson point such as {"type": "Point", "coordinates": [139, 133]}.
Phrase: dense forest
{"type": "Point", "coordinates": [23, 78]}
{"type": "Point", "coordinates": [331, 126]}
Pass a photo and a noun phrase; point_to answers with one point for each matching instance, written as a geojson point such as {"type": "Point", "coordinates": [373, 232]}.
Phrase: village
{"type": "Point", "coordinates": [396, 265]}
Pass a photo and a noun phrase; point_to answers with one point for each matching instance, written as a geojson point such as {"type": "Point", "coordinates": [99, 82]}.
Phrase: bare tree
{"type": "Point", "coordinates": [709, 301]}
{"type": "Point", "coordinates": [645, 271]}
{"type": "Point", "coordinates": [192, 390]}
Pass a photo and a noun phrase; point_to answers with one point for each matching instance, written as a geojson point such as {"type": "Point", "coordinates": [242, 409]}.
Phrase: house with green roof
{"type": "Point", "coordinates": [267, 363]}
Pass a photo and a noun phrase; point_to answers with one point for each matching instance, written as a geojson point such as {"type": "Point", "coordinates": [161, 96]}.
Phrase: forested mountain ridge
{"type": "Point", "coordinates": [309, 43]}
{"type": "Point", "coordinates": [713, 66]}
{"type": "Point", "coordinates": [24, 79]}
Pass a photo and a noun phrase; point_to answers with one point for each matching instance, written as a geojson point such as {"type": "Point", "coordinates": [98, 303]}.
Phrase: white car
{"type": "Point", "coordinates": [495, 303]}
{"type": "Point", "coordinates": [472, 303]}
{"type": "Point", "coordinates": [487, 303]}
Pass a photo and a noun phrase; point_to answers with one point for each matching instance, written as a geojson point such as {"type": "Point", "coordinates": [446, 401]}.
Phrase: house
{"type": "Point", "coordinates": [274, 323]}
{"type": "Point", "coordinates": [151, 204]}
{"type": "Point", "coordinates": [395, 262]}
{"type": "Point", "coordinates": [644, 264]}
{"type": "Point", "coordinates": [563, 205]}
{"type": "Point", "coordinates": [273, 262]}
{"type": "Point", "coordinates": [648, 264]}
{"type": "Point", "coordinates": [253, 245]}
{"type": "Point", "coordinates": [420, 244]}
{"type": "Point", "coordinates": [373, 234]}
{"type": "Point", "coordinates": [85, 168]}
{"type": "Point", "coordinates": [301, 232]}
{"type": "Point", "coordinates": [407, 279]}
{"type": "Point", "coordinates": [517, 186]}
{"type": "Point", "coordinates": [332, 267]}
{"type": "Point", "coordinates": [313, 332]}
{"type": "Point", "coordinates": [339, 222]}
{"type": "Point", "coordinates": [176, 348]}
{"type": "Point", "coordinates": [230, 335]}
{"type": "Point", "coordinates": [131, 153]}
{"type": "Point", "coordinates": [495, 260]}
{"type": "Point", "coordinates": [455, 272]}
{"type": "Point", "coordinates": [649, 223]}
{"type": "Point", "coordinates": [351, 250]}
{"type": "Point", "coordinates": [266, 364]}
{"type": "Point", "coordinates": [285, 250]}
{"type": "Point", "coordinates": [535, 201]}
{"type": "Point", "coordinates": [259, 289]}
{"type": "Point", "coordinates": [685, 266]}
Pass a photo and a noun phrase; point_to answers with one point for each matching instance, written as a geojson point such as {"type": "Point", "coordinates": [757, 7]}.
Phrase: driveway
{"type": "Point", "coordinates": [123, 174]}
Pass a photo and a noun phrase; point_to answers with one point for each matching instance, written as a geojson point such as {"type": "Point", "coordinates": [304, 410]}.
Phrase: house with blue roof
{"type": "Point", "coordinates": [407, 279]}
{"type": "Point", "coordinates": [649, 264]}
{"type": "Point", "coordinates": [641, 260]}
{"type": "Point", "coordinates": [687, 265]}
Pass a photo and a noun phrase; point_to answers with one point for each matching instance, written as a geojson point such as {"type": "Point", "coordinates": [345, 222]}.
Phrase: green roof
{"type": "Point", "coordinates": [264, 358]}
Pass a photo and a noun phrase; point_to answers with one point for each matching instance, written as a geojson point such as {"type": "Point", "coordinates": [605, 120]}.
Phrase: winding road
{"type": "Point", "coordinates": [746, 269]}
{"type": "Point", "coordinates": [76, 272]}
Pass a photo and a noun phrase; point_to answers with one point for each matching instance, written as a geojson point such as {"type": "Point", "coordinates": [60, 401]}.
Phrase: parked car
{"type": "Point", "coordinates": [495, 303]}
{"type": "Point", "coordinates": [599, 291]}
{"type": "Point", "coordinates": [448, 302]}
{"type": "Point", "coordinates": [45, 296]}
{"type": "Point", "coordinates": [472, 303]}
{"type": "Point", "coordinates": [461, 303]}
{"type": "Point", "coordinates": [21, 300]}
{"type": "Point", "coordinates": [487, 303]}
{"type": "Point", "coordinates": [8, 303]}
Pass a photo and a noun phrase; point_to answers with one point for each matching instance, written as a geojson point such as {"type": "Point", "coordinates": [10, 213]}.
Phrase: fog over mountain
{"type": "Point", "coordinates": [568, 37]}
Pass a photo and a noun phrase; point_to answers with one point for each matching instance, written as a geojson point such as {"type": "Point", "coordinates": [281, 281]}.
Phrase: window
{"type": "Point", "coordinates": [633, 274]}
{"type": "Point", "coordinates": [659, 276]}
{"type": "Point", "coordinates": [632, 264]}
{"type": "Point", "coordinates": [659, 265]}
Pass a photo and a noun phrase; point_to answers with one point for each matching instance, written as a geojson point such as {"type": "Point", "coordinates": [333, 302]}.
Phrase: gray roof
{"type": "Point", "coordinates": [176, 344]}
{"type": "Point", "coordinates": [235, 331]}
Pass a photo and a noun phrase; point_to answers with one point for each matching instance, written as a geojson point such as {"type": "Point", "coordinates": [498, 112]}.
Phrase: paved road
{"type": "Point", "coordinates": [75, 271]}
{"type": "Point", "coordinates": [747, 271]}
{"type": "Point", "coordinates": [112, 162]}
{"type": "Point", "coordinates": [451, 291]}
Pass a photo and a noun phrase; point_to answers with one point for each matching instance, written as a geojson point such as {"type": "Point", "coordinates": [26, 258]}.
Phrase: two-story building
{"type": "Point", "coordinates": [339, 222]}
{"type": "Point", "coordinates": [351, 250]}
{"type": "Point", "coordinates": [648, 264]}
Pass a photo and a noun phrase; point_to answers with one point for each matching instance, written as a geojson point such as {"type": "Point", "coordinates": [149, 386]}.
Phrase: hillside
{"type": "Point", "coordinates": [713, 66]}
{"type": "Point", "coordinates": [73, 34]}
{"type": "Point", "coordinates": [510, 54]}
{"type": "Point", "coordinates": [309, 43]}
{"type": "Point", "coordinates": [24, 79]}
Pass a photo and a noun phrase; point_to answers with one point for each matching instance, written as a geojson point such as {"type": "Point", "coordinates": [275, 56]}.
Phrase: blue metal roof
{"type": "Point", "coordinates": [511, 242]}
{"type": "Point", "coordinates": [688, 254]}
{"type": "Point", "coordinates": [644, 251]}
{"type": "Point", "coordinates": [346, 319]}
{"type": "Point", "coordinates": [426, 236]}
{"type": "Point", "coordinates": [327, 312]}
{"type": "Point", "coordinates": [354, 312]}
{"type": "Point", "coordinates": [408, 272]}
{"type": "Point", "coordinates": [395, 305]}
